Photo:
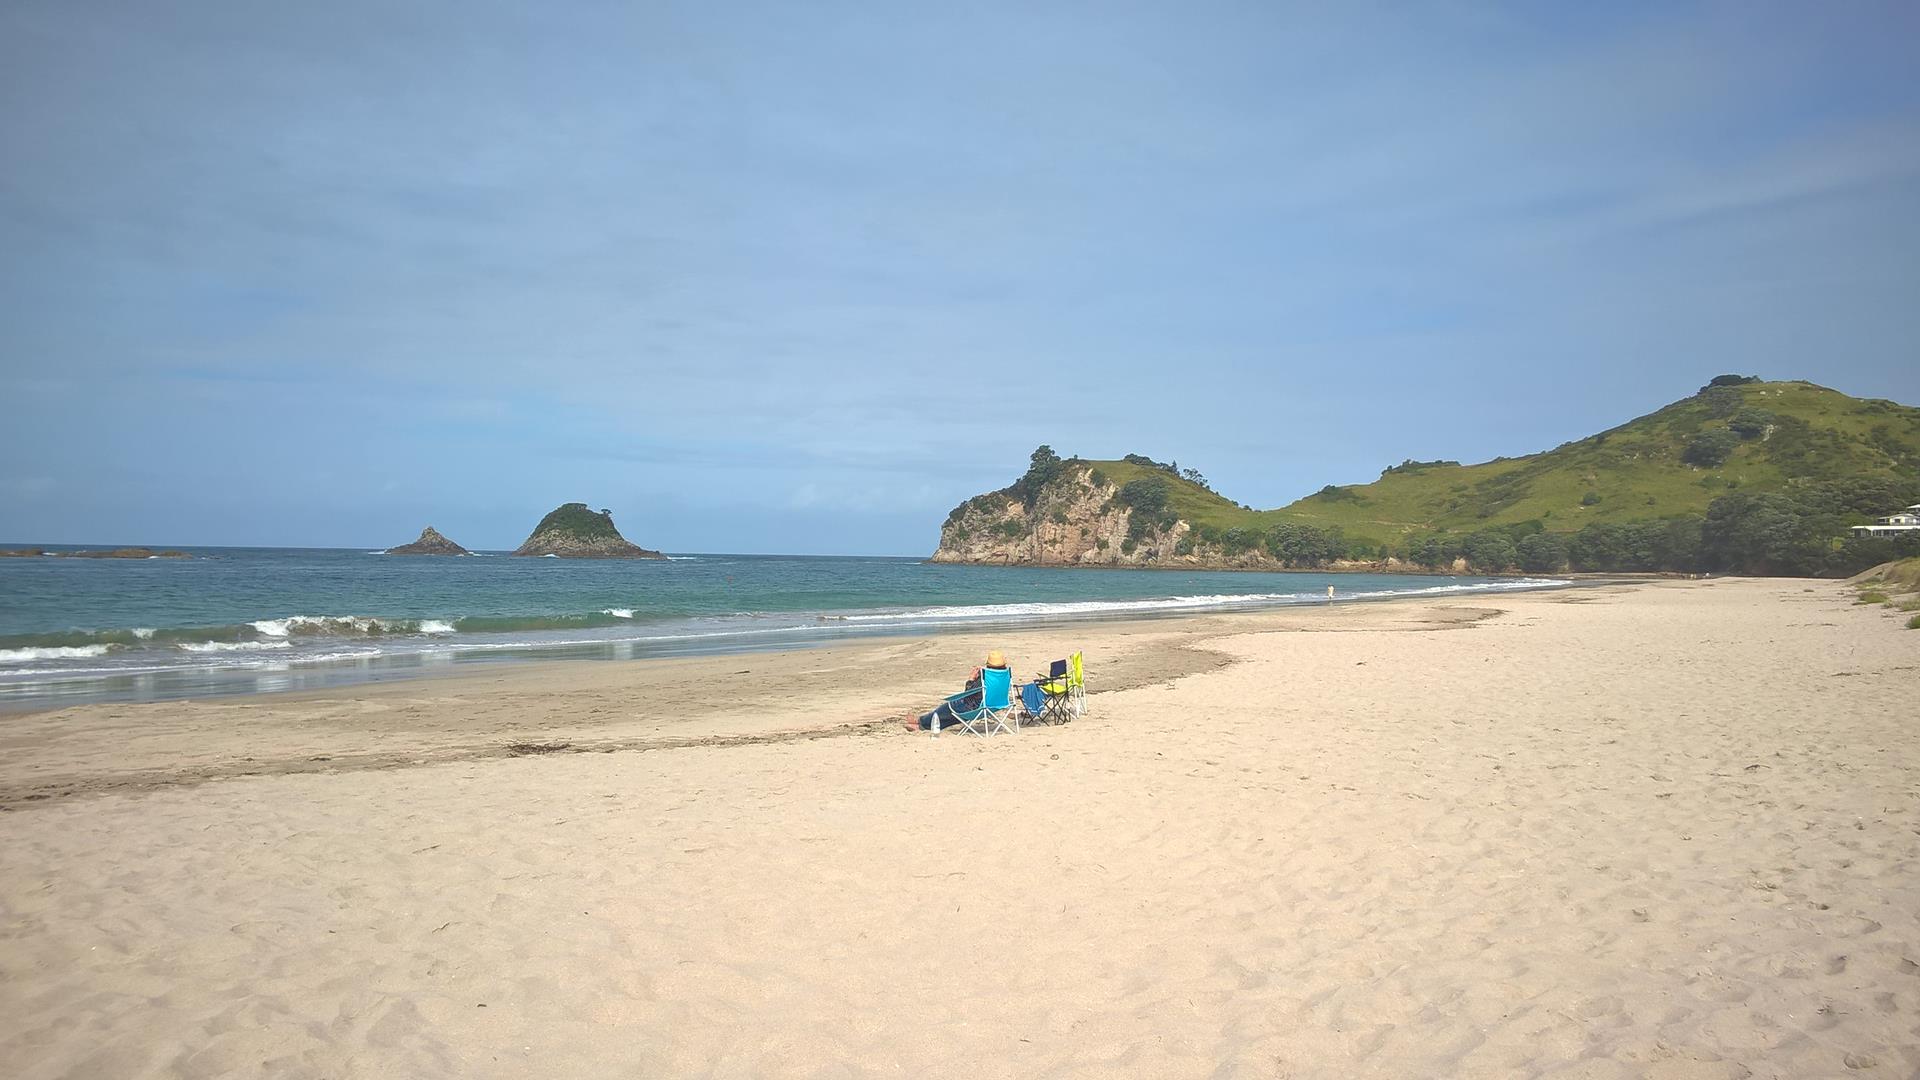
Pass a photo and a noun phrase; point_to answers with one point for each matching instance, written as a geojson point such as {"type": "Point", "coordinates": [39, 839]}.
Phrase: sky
{"type": "Point", "coordinates": [802, 277]}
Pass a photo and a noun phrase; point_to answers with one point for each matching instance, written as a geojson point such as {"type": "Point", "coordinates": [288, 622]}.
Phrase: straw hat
{"type": "Point", "coordinates": [996, 659]}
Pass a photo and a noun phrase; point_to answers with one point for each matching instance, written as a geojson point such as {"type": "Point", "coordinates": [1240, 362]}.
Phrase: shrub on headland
{"type": "Point", "coordinates": [1710, 449]}
{"type": "Point", "coordinates": [1803, 533]}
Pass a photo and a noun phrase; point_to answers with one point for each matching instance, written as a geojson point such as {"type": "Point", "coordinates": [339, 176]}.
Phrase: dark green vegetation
{"type": "Point", "coordinates": [573, 531]}
{"type": "Point", "coordinates": [575, 520]}
{"type": "Point", "coordinates": [1732, 436]}
{"type": "Point", "coordinates": [1745, 476]}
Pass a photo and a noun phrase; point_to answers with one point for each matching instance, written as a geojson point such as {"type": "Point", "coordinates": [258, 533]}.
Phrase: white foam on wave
{"type": "Point", "coordinates": [618, 612]}
{"type": "Point", "coordinates": [435, 626]}
{"type": "Point", "coordinates": [142, 632]}
{"type": "Point", "coordinates": [232, 646]}
{"type": "Point", "coordinates": [52, 652]}
{"type": "Point", "coordinates": [950, 613]}
{"type": "Point", "coordinates": [1075, 607]}
{"type": "Point", "coordinates": [337, 657]}
{"type": "Point", "coordinates": [1441, 590]}
{"type": "Point", "coordinates": [683, 558]}
{"type": "Point", "coordinates": [15, 676]}
{"type": "Point", "coordinates": [319, 624]}
{"type": "Point", "coordinates": [700, 635]}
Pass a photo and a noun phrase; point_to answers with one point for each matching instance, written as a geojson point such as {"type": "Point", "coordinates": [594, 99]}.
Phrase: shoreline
{"type": "Point", "coordinates": [799, 691]}
{"type": "Point", "coordinates": [452, 656]}
{"type": "Point", "coordinates": [1408, 570]}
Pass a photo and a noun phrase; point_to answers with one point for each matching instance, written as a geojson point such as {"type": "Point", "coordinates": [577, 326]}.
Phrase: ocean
{"type": "Point", "coordinates": [255, 620]}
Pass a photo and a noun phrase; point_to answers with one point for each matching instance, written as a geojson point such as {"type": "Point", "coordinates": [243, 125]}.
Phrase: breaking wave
{"type": "Point", "coordinates": [232, 646]}
{"type": "Point", "coordinates": [52, 652]}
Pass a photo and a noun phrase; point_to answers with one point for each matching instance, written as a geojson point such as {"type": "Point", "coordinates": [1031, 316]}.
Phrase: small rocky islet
{"type": "Point", "coordinates": [572, 531]}
{"type": "Point", "coordinates": [429, 543]}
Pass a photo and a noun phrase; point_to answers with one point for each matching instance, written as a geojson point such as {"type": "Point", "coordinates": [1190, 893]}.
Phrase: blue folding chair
{"type": "Point", "coordinates": [993, 713]}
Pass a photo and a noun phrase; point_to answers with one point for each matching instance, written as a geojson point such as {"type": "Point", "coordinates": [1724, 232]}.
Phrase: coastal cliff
{"type": "Point", "coordinates": [575, 532]}
{"type": "Point", "coordinates": [1073, 513]}
{"type": "Point", "coordinates": [430, 543]}
{"type": "Point", "coordinates": [1074, 521]}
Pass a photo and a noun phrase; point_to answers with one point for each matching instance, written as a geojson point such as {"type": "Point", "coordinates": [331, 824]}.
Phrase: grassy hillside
{"type": "Point", "coordinates": [1772, 434]}
{"type": "Point", "coordinates": [1744, 476]}
{"type": "Point", "coordinates": [1639, 471]}
{"type": "Point", "coordinates": [1194, 504]}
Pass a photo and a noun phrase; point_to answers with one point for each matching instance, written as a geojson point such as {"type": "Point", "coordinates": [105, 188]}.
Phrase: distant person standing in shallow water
{"type": "Point", "coordinates": [1329, 594]}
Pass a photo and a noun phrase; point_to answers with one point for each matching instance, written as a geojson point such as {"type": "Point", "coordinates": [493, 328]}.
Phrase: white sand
{"type": "Point", "coordinates": [1662, 831]}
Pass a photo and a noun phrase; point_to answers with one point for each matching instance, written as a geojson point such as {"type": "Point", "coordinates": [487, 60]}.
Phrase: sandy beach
{"type": "Point", "coordinates": [1660, 830]}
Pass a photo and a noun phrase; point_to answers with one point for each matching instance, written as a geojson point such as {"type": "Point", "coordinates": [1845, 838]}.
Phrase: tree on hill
{"type": "Point", "coordinates": [1043, 469]}
{"type": "Point", "coordinates": [1490, 551]}
{"type": "Point", "coordinates": [1710, 449]}
{"type": "Point", "coordinates": [1750, 422]}
{"type": "Point", "coordinates": [1541, 553]}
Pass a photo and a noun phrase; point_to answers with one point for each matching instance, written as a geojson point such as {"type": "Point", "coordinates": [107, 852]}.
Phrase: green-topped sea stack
{"type": "Point", "coordinates": [575, 532]}
{"type": "Point", "coordinates": [430, 543]}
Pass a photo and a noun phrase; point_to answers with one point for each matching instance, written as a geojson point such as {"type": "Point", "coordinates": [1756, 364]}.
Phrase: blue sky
{"type": "Point", "coordinates": [800, 277]}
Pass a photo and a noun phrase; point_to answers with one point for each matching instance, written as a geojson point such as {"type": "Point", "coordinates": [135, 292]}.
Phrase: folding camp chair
{"type": "Point", "coordinates": [1052, 694]}
{"type": "Point", "coordinates": [1077, 683]}
{"type": "Point", "coordinates": [994, 711]}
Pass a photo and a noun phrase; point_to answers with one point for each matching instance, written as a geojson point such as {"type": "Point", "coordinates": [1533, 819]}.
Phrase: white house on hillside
{"type": "Point", "coordinates": [1905, 521]}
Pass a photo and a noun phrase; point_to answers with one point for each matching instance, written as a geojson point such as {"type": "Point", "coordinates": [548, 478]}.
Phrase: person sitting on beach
{"type": "Point", "coordinates": [944, 713]}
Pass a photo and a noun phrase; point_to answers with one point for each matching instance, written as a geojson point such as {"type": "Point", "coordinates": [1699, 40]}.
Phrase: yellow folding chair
{"type": "Point", "coordinates": [1077, 684]}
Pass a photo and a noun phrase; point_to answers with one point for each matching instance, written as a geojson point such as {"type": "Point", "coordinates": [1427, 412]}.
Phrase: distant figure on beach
{"type": "Point", "coordinates": [1329, 594]}
{"type": "Point", "coordinates": [945, 713]}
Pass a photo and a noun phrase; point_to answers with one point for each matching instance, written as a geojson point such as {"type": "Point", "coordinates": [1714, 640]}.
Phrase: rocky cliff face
{"type": "Point", "coordinates": [575, 532]}
{"type": "Point", "coordinates": [1075, 521]}
{"type": "Point", "coordinates": [430, 543]}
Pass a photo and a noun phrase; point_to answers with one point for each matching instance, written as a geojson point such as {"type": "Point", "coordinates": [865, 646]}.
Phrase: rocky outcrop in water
{"type": "Point", "coordinates": [430, 543]}
{"type": "Point", "coordinates": [575, 532]}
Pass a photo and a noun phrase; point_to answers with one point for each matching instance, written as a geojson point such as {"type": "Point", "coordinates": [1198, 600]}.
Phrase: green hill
{"type": "Point", "coordinates": [1745, 476]}
{"type": "Point", "coordinates": [1774, 436]}
{"type": "Point", "coordinates": [1754, 437]}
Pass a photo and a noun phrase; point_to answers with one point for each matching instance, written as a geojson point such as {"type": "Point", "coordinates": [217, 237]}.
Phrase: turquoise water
{"type": "Point", "coordinates": [249, 620]}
